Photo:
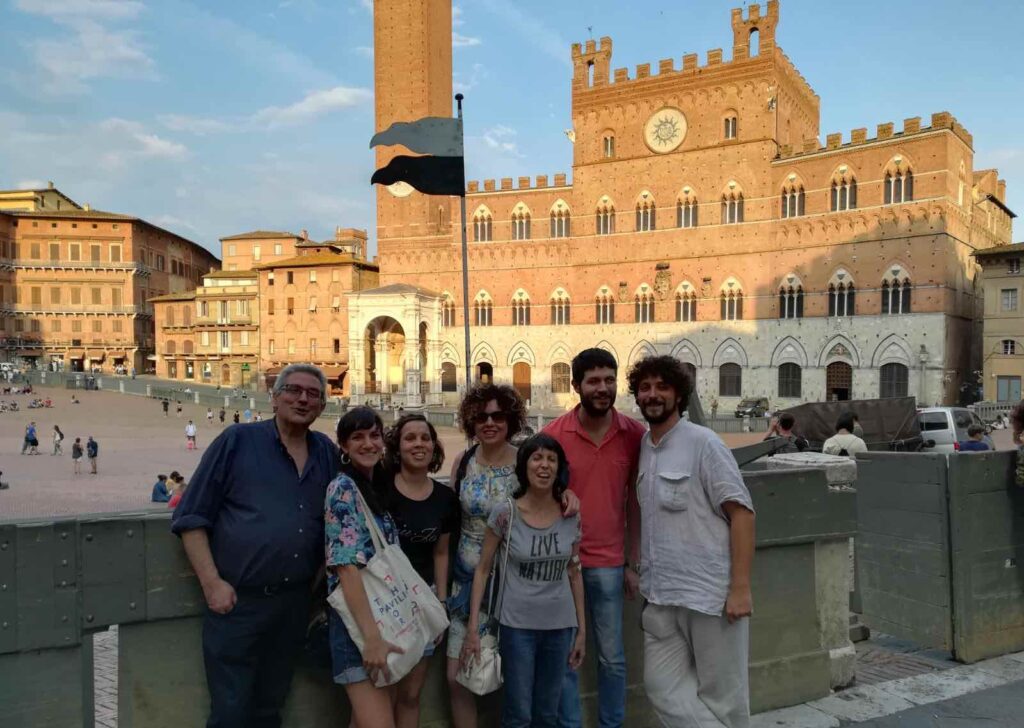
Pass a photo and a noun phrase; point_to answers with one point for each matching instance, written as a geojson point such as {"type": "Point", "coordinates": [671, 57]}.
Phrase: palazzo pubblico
{"type": "Point", "coordinates": [704, 218]}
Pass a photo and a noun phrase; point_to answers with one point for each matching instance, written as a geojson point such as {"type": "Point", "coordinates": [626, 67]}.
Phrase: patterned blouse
{"type": "Point", "coordinates": [347, 538]}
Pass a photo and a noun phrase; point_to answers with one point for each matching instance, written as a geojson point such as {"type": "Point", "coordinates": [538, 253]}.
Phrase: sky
{"type": "Point", "coordinates": [211, 118]}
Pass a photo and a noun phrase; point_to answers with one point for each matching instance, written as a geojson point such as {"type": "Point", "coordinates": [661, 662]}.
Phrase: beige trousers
{"type": "Point", "coordinates": [695, 668]}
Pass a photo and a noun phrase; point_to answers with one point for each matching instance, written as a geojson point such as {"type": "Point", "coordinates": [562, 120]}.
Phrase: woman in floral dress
{"type": "Point", "coordinates": [490, 415]}
{"type": "Point", "coordinates": [349, 548]}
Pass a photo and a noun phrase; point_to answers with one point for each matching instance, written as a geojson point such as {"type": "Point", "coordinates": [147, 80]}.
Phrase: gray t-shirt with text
{"type": "Point", "coordinates": [537, 593]}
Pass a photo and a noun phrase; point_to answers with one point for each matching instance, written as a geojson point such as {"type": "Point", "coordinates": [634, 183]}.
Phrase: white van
{"type": "Point", "coordinates": [947, 427]}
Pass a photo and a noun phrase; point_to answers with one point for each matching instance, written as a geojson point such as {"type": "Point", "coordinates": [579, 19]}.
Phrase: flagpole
{"type": "Point", "coordinates": [465, 266]}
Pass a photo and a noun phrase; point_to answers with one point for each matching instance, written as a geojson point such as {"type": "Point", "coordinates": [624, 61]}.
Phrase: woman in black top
{"type": "Point", "coordinates": [425, 512]}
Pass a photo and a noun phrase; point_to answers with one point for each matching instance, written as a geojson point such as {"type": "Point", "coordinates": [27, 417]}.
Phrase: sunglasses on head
{"type": "Point", "coordinates": [498, 418]}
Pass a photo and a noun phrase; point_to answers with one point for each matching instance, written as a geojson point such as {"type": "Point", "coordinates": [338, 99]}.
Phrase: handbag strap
{"type": "Point", "coordinates": [504, 565]}
{"type": "Point", "coordinates": [371, 522]}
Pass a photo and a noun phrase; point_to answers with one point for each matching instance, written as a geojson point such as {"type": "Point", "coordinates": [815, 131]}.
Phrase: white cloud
{"type": "Point", "coordinates": [502, 139]}
{"type": "Point", "coordinates": [364, 51]}
{"type": "Point", "coordinates": [193, 124]}
{"type": "Point", "coordinates": [463, 83]}
{"type": "Point", "coordinates": [366, 5]}
{"type": "Point", "coordinates": [460, 40]}
{"type": "Point", "coordinates": [62, 9]}
{"type": "Point", "coordinates": [129, 140]}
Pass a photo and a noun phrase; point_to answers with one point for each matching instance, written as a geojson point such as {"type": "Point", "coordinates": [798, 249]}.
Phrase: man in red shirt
{"type": "Point", "coordinates": [602, 446]}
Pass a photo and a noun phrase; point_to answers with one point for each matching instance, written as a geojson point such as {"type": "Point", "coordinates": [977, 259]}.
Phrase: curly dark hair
{"type": "Point", "coordinates": [669, 369]}
{"type": "Point", "coordinates": [393, 445]}
{"type": "Point", "coordinates": [526, 451]}
{"type": "Point", "coordinates": [508, 400]}
{"type": "Point", "coordinates": [1017, 417]}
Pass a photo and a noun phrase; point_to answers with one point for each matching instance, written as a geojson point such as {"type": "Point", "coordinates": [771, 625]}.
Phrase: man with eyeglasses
{"type": "Point", "coordinates": [252, 525]}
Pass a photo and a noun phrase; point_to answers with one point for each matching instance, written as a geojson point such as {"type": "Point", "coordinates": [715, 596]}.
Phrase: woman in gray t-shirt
{"type": "Point", "coordinates": [542, 626]}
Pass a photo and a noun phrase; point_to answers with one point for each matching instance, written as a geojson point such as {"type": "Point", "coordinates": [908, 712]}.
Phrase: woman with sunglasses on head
{"type": "Point", "coordinates": [541, 600]}
{"type": "Point", "coordinates": [425, 512]}
{"type": "Point", "coordinates": [490, 415]}
{"type": "Point", "coordinates": [349, 548]}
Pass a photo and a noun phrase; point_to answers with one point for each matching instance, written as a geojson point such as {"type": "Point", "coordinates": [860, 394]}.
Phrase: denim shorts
{"type": "Point", "coordinates": [346, 659]}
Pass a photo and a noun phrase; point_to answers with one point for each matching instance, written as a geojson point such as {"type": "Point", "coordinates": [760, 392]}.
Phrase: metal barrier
{"type": "Point", "coordinates": [63, 579]}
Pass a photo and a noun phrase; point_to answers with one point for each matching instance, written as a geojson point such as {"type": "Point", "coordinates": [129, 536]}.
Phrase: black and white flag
{"type": "Point", "coordinates": [442, 169]}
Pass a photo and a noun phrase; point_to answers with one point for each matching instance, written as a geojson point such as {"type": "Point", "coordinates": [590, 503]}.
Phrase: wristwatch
{"type": "Point", "coordinates": [635, 568]}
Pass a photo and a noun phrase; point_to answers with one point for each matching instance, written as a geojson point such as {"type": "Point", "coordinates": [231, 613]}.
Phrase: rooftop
{"type": "Point", "coordinates": [315, 259]}
{"type": "Point", "coordinates": [231, 274]}
{"type": "Point", "coordinates": [398, 289]}
{"type": "Point", "coordinates": [262, 235]}
{"type": "Point", "coordinates": [1000, 250]}
{"type": "Point", "coordinates": [178, 296]}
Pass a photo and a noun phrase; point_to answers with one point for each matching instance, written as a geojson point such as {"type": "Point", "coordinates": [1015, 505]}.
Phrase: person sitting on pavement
{"type": "Point", "coordinates": [844, 442]}
{"type": "Point", "coordinates": [782, 429]}
{"type": "Point", "coordinates": [178, 495]}
{"type": "Point", "coordinates": [160, 492]}
{"type": "Point", "coordinates": [975, 441]}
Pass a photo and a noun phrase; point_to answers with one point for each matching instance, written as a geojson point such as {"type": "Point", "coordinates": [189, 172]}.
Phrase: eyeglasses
{"type": "Point", "coordinates": [295, 391]}
{"type": "Point", "coordinates": [498, 418]}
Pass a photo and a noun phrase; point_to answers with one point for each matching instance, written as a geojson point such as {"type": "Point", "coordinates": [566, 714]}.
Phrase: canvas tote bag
{"type": "Point", "coordinates": [407, 612]}
{"type": "Point", "coordinates": [483, 676]}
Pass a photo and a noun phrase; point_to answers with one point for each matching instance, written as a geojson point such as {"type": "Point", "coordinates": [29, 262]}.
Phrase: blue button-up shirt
{"type": "Point", "coordinates": [265, 520]}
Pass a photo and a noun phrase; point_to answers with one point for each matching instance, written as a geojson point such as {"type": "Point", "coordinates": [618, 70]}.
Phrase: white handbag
{"type": "Point", "coordinates": [406, 611]}
{"type": "Point", "coordinates": [483, 676]}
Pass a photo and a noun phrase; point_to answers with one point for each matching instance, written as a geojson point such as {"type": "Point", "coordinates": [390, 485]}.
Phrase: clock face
{"type": "Point", "coordinates": [400, 189]}
{"type": "Point", "coordinates": [665, 130]}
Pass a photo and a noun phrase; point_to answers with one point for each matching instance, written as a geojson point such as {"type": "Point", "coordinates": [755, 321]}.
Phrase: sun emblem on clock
{"type": "Point", "coordinates": [665, 130]}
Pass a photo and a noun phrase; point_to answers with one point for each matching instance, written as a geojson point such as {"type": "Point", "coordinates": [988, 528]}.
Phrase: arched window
{"type": "Point", "coordinates": [186, 315]}
{"type": "Point", "coordinates": [171, 347]}
{"type": "Point", "coordinates": [605, 307]}
{"type": "Point", "coordinates": [730, 380]}
{"type": "Point", "coordinates": [447, 311]}
{"type": "Point", "coordinates": [961, 185]}
{"type": "Point", "coordinates": [729, 126]}
{"type": "Point", "coordinates": [483, 310]}
{"type": "Point", "coordinates": [605, 217]}
{"type": "Point", "coordinates": [793, 201]}
{"type": "Point", "coordinates": [754, 43]}
{"type": "Point", "coordinates": [449, 377]}
{"type": "Point", "coordinates": [521, 224]}
{"type": "Point", "coordinates": [893, 381]}
{"type": "Point", "coordinates": [608, 145]}
{"type": "Point", "coordinates": [645, 211]}
{"type": "Point", "coordinates": [843, 193]}
{"type": "Point", "coordinates": [841, 299]}
{"type": "Point", "coordinates": [559, 308]}
{"type": "Point", "coordinates": [731, 301]}
{"type": "Point", "coordinates": [482, 226]}
{"type": "Point", "coordinates": [1009, 347]}
{"type": "Point", "coordinates": [643, 305]}
{"type": "Point", "coordinates": [169, 321]}
{"type": "Point", "coordinates": [899, 183]}
{"type": "Point", "coordinates": [686, 303]}
{"type": "Point", "coordinates": [732, 208]}
{"type": "Point", "coordinates": [521, 309]}
{"type": "Point", "coordinates": [791, 298]}
{"type": "Point", "coordinates": [790, 380]}
{"type": "Point", "coordinates": [561, 377]}
{"type": "Point", "coordinates": [686, 210]}
{"type": "Point", "coordinates": [896, 291]}
{"type": "Point", "coordinates": [186, 347]}
{"type": "Point", "coordinates": [559, 220]}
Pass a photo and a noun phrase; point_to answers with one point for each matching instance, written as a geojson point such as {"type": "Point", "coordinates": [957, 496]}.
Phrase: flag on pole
{"type": "Point", "coordinates": [441, 171]}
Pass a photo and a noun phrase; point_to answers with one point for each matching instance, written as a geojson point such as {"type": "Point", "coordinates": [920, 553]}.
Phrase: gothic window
{"type": "Point", "coordinates": [686, 212]}
{"type": "Point", "coordinates": [643, 307]}
{"type": "Point", "coordinates": [561, 376]}
{"type": "Point", "coordinates": [893, 381]}
{"type": "Point", "coordinates": [899, 186]}
{"type": "Point", "coordinates": [605, 307]}
{"type": "Point", "coordinates": [559, 222]}
{"type": "Point", "coordinates": [731, 302]}
{"type": "Point", "coordinates": [483, 310]}
{"type": "Point", "coordinates": [896, 292]}
{"type": "Point", "coordinates": [729, 127]}
{"type": "Point", "coordinates": [521, 225]}
{"type": "Point", "coordinates": [730, 380]}
{"type": "Point", "coordinates": [841, 300]}
{"type": "Point", "coordinates": [447, 312]}
{"type": "Point", "coordinates": [686, 306]}
{"type": "Point", "coordinates": [793, 201]}
{"type": "Point", "coordinates": [521, 309]}
{"type": "Point", "coordinates": [843, 192]}
{"type": "Point", "coordinates": [732, 208]}
{"type": "Point", "coordinates": [605, 218]}
{"type": "Point", "coordinates": [482, 226]}
{"type": "Point", "coordinates": [790, 380]}
{"type": "Point", "coordinates": [559, 308]}
{"type": "Point", "coordinates": [645, 211]}
{"type": "Point", "coordinates": [608, 145]}
{"type": "Point", "coordinates": [791, 302]}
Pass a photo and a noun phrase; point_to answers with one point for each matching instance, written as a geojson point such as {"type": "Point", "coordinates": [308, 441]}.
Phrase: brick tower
{"type": "Point", "coordinates": [412, 44]}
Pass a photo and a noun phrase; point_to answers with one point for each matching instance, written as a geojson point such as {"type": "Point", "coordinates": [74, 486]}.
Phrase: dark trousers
{"type": "Point", "coordinates": [250, 654]}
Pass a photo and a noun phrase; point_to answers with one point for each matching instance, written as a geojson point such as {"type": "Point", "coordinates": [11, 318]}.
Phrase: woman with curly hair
{"type": "Point", "coordinates": [483, 476]}
{"type": "Point", "coordinates": [425, 512]}
{"type": "Point", "coordinates": [1017, 425]}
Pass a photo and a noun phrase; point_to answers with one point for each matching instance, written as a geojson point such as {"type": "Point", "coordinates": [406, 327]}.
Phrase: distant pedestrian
{"type": "Point", "coordinates": [844, 442]}
{"type": "Point", "coordinates": [160, 492]}
{"type": "Point", "coordinates": [166, 404]}
{"type": "Point", "coordinates": [257, 417]}
{"type": "Point", "coordinates": [975, 441]}
{"type": "Point", "coordinates": [237, 417]}
{"type": "Point", "coordinates": [30, 445]}
{"type": "Point", "coordinates": [190, 435]}
{"type": "Point", "coordinates": [58, 438]}
{"type": "Point", "coordinates": [178, 493]}
{"type": "Point", "coordinates": [221, 415]}
{"type": "Point", "coordinates": [209, 415]}
{"type": "Point", "coordinates": [76, 456]}
{"type": "Point", "coordinates": [92, 450]}
{"type": "Point", "coordinates": [247, 415]}
{"type": "Point", "coordinates": [179, 407]}
{"type": "Point", "coordinates": [714, 408]}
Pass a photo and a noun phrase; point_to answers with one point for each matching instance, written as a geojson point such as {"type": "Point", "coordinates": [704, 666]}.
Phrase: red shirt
{"type": "Point", "coordinates": [601, 477]}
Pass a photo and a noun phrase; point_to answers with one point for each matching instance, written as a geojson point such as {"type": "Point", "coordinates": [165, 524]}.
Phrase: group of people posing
{"type": "Point", "coordinates": [594, 510]}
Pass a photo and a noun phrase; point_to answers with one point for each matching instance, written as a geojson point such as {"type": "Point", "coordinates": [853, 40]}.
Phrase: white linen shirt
{"type": "Point", "coordinates": [684, 535]}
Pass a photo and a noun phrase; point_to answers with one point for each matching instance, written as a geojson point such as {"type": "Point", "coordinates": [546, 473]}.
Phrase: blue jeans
{"type": "Point", "coordinates": [602, 587]}
{"type": "Point", "coordinates": [533, 662]}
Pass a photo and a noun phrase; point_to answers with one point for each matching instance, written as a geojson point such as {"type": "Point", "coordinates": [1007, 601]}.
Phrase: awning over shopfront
{"type": "Point", "coordinates": [76, 353]}
{"type": "Point", "coordinates": [334, 371]}
{"type": "Point", "coordinates": [30, 352]}
{"type": "Point", "coordinates": [115, 355]}
{"type": "Point", "coordinates": [151, 357]}
{"type": "Point", "coordinates": [94, 355]}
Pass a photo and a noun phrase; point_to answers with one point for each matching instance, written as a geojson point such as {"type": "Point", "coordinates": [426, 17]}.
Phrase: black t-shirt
{"type": "Point", "coordinates": [421, 524]}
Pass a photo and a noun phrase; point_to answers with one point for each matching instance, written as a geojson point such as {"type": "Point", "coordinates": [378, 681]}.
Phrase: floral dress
{"type": "Point", "coordinates": [347, 538]}
{"type": "Point", "coordinates": [482, 488]}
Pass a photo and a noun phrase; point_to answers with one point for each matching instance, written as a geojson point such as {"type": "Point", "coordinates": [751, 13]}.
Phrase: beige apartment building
{"type": "Point", "coordinates": [75, 282]}
{"type": "Point", "coordinates": [1003, 333]}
